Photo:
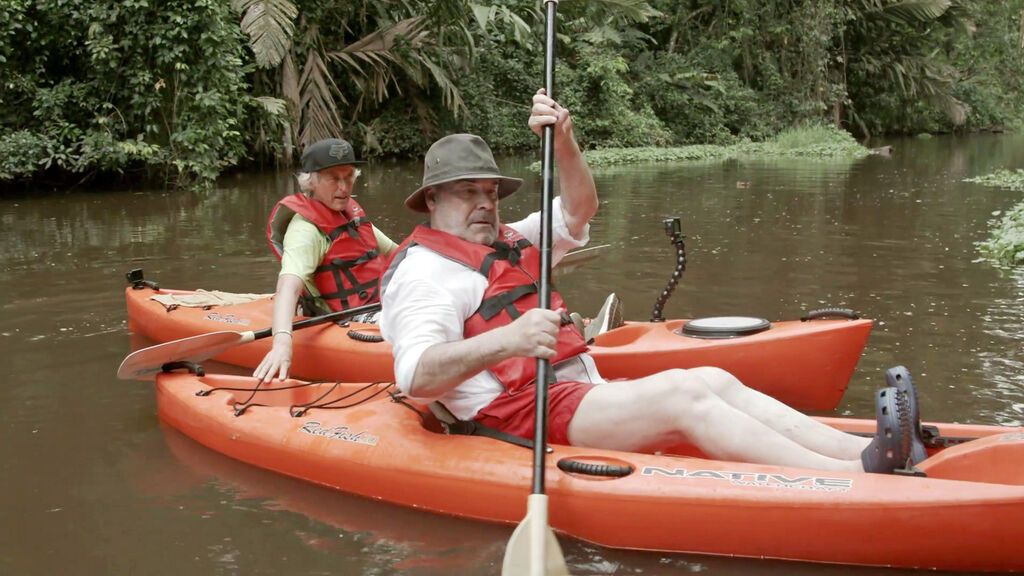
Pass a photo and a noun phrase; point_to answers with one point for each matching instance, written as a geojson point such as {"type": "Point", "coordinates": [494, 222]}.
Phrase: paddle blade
{"type": "Point", "coordinates": [142, 364]}
{"type": "Point", "coordinates": [582, 255]}
{"type": "Point", "coordinates": [532, 538]}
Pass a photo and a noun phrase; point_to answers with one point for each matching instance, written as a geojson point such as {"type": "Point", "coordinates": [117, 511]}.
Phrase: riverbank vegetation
{"type": "Point", "coordinates": [179, 91]}
{"type": "Point", "coordinates": [1006, 242]}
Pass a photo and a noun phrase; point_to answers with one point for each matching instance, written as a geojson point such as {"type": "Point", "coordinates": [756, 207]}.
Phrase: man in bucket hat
{"type": "Point", "coordinates": [331, 255]}
{"type": "Point", "coordinates": [459, 307]}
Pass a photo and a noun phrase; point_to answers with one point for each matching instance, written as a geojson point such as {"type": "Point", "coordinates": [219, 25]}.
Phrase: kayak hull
{"type": "Point", "coordinates": [380, 449]}
{"type": "Point", "coordinates": [824, 352]}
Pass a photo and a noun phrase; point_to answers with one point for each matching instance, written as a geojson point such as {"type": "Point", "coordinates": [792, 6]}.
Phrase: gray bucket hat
{"type": "Point", "coordinates": [326, 153]}
{"type": "Point", "coordinates": [459, 157]}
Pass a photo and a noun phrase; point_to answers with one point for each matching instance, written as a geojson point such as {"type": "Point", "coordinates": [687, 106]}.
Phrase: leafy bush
{"type": "Point", "coordinates": [113, 86]}
{"type": "Point", "coordinates": [700, 105]}
{"type": "Point", "coordinates": [606, 111]}
{"type": "Point", "coordinates": [498, 94]}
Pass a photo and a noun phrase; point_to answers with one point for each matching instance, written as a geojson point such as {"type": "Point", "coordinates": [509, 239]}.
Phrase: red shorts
{"type": "Point", "coordinates": [515, 414]}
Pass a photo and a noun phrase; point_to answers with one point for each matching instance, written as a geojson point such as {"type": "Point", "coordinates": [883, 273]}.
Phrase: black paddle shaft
{"type": "Point", "coordinates": [332, 317]}
{"type": "Point", "coordinates": [540, 432]}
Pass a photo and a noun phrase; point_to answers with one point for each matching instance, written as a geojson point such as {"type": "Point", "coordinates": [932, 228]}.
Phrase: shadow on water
{"type": "Point", "coordinates": [93, 485]}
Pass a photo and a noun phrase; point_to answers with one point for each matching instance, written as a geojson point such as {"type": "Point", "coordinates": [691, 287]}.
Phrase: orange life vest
{"type": "Point", "coordinates": [349, 274]}
{"type": "Point", "coordinates": [512, 268]}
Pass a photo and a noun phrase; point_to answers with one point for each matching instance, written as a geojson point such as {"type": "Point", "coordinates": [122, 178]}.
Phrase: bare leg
{"type": "Point", "coordinates": [663, 409]}
{"type": "Point", "coordinates": [792, 424]}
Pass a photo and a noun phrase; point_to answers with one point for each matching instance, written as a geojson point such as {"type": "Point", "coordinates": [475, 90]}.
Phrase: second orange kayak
{"type": "Point", "coordinates": [823, 352]}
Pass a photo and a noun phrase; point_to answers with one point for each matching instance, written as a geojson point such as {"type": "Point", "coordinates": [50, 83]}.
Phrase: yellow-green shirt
{"type": "Point", "coordinates": [304, 249]}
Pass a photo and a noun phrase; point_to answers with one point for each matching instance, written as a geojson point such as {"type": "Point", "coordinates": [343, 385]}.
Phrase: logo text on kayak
{"type": "Point", "coordinates": [228, 318]}
{"type": "Point", "coordinates": [755, 479]}
{"type": "Point", "coordinates": [339, 433]}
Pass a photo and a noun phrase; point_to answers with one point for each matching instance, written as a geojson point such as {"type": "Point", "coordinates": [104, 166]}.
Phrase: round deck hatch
{"type": "Point", "coordinates": [724, 327]}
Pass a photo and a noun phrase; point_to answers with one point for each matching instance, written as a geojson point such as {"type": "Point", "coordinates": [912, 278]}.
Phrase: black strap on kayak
{"type": "Point", "coordinates": [452, 425]}
{"type": "Point", "coordinates": [299, 410]}
{"type": "Point", "coordinates": [474, 428]}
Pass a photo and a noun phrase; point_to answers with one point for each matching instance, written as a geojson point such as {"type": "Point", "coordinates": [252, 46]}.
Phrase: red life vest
{"type": "Point", "coordinates": [512, 266]}
{"type": "Point", "coordinates": [349, 274]}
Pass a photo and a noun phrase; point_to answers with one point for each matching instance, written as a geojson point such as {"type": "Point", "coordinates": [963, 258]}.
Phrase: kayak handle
{"type": "Point", "coordinates": [591, 469]}
{"type": "Point", "coordinates": [192, 367]}
{"type": "Point", "coordinates": [830, 313]}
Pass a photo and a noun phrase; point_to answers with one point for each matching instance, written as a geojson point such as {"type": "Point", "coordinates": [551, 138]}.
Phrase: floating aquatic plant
{"type": "Point", "coordinates": [812, 141]}
{"type": "Point", "coordinates": [1006, 242]}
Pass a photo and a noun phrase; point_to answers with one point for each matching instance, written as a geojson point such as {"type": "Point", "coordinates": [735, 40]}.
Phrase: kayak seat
{"type": "Point", "coordinates": [996, 459]}
{"type": "Point", "coordinates": [440, 419]}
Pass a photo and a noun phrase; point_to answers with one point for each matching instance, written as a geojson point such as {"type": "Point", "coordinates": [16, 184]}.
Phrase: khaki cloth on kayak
{"type": "Point", "coordinates": [206, 298]}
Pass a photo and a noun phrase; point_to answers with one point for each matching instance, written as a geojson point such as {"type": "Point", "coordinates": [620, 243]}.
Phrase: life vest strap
{"type": "Point", "coordinates": [339, 264]}
{"type": "Point", "coordinates": [493, 306]}
{"type": "Point", "coordinates": [503, 251]}
{"type": "Point", "coordinates": [350, 227]}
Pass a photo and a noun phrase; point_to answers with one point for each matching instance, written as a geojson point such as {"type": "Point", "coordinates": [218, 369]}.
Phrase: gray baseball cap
{"type": "Point", "coordinates": [326, 153]}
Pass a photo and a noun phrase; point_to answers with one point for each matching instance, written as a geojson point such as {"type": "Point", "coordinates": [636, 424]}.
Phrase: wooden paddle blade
{"type": "Point", "coordinates": [533, 536]}
{"type": "Point", "coordinates": [143, 364]}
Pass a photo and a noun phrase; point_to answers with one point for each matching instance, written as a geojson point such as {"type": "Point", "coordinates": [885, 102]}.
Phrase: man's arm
{"type": "Point", "coordinates": [576, 183]}
{"type": "Point", "coordinates": [442, 367]}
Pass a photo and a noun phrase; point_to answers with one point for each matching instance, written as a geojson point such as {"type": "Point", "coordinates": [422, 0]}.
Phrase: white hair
{"type": "Point", "coordinates": [306, 180]}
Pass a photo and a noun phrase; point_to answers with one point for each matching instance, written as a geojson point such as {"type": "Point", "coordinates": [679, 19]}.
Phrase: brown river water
{"type": "Point", "coordinates": [91, 483]}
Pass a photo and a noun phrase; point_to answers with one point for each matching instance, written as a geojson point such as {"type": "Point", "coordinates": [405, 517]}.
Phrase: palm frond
{"type": "Point", "coordinates": [450, 94]}
{"type": "Point", "coordinates": [629, 10]}
{"type": "Point", "coordinates": [273, 106]}
{"type": "Point", "coordinates": [270, 27]}
{"type": "Point", "coordinates": [500, 16]}
{"type": "Point", "coordinates": [909, 11]}
{"type": "Point", "coordinates": [319, 113]}
{"type": "Point", "coordinates": [403, 48]}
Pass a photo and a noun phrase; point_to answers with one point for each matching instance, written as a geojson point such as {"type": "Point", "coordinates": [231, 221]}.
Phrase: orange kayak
{"type": "Point", "coordinates": [825, 352]}
{"type": "Point", "coordinates": [966, 514]}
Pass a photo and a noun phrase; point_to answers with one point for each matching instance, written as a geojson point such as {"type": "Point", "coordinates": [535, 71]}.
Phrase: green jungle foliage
{"type": "Point", "coordinates": [178, 91]}
{"type": "Point", "coordinates": [1006, 242]}
{"type": "Point", "coordinates": [105, 87]}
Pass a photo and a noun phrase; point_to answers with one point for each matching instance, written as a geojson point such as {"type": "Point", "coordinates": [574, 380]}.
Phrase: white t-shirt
{"type": "Point", "coordinates": [429, 298]}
